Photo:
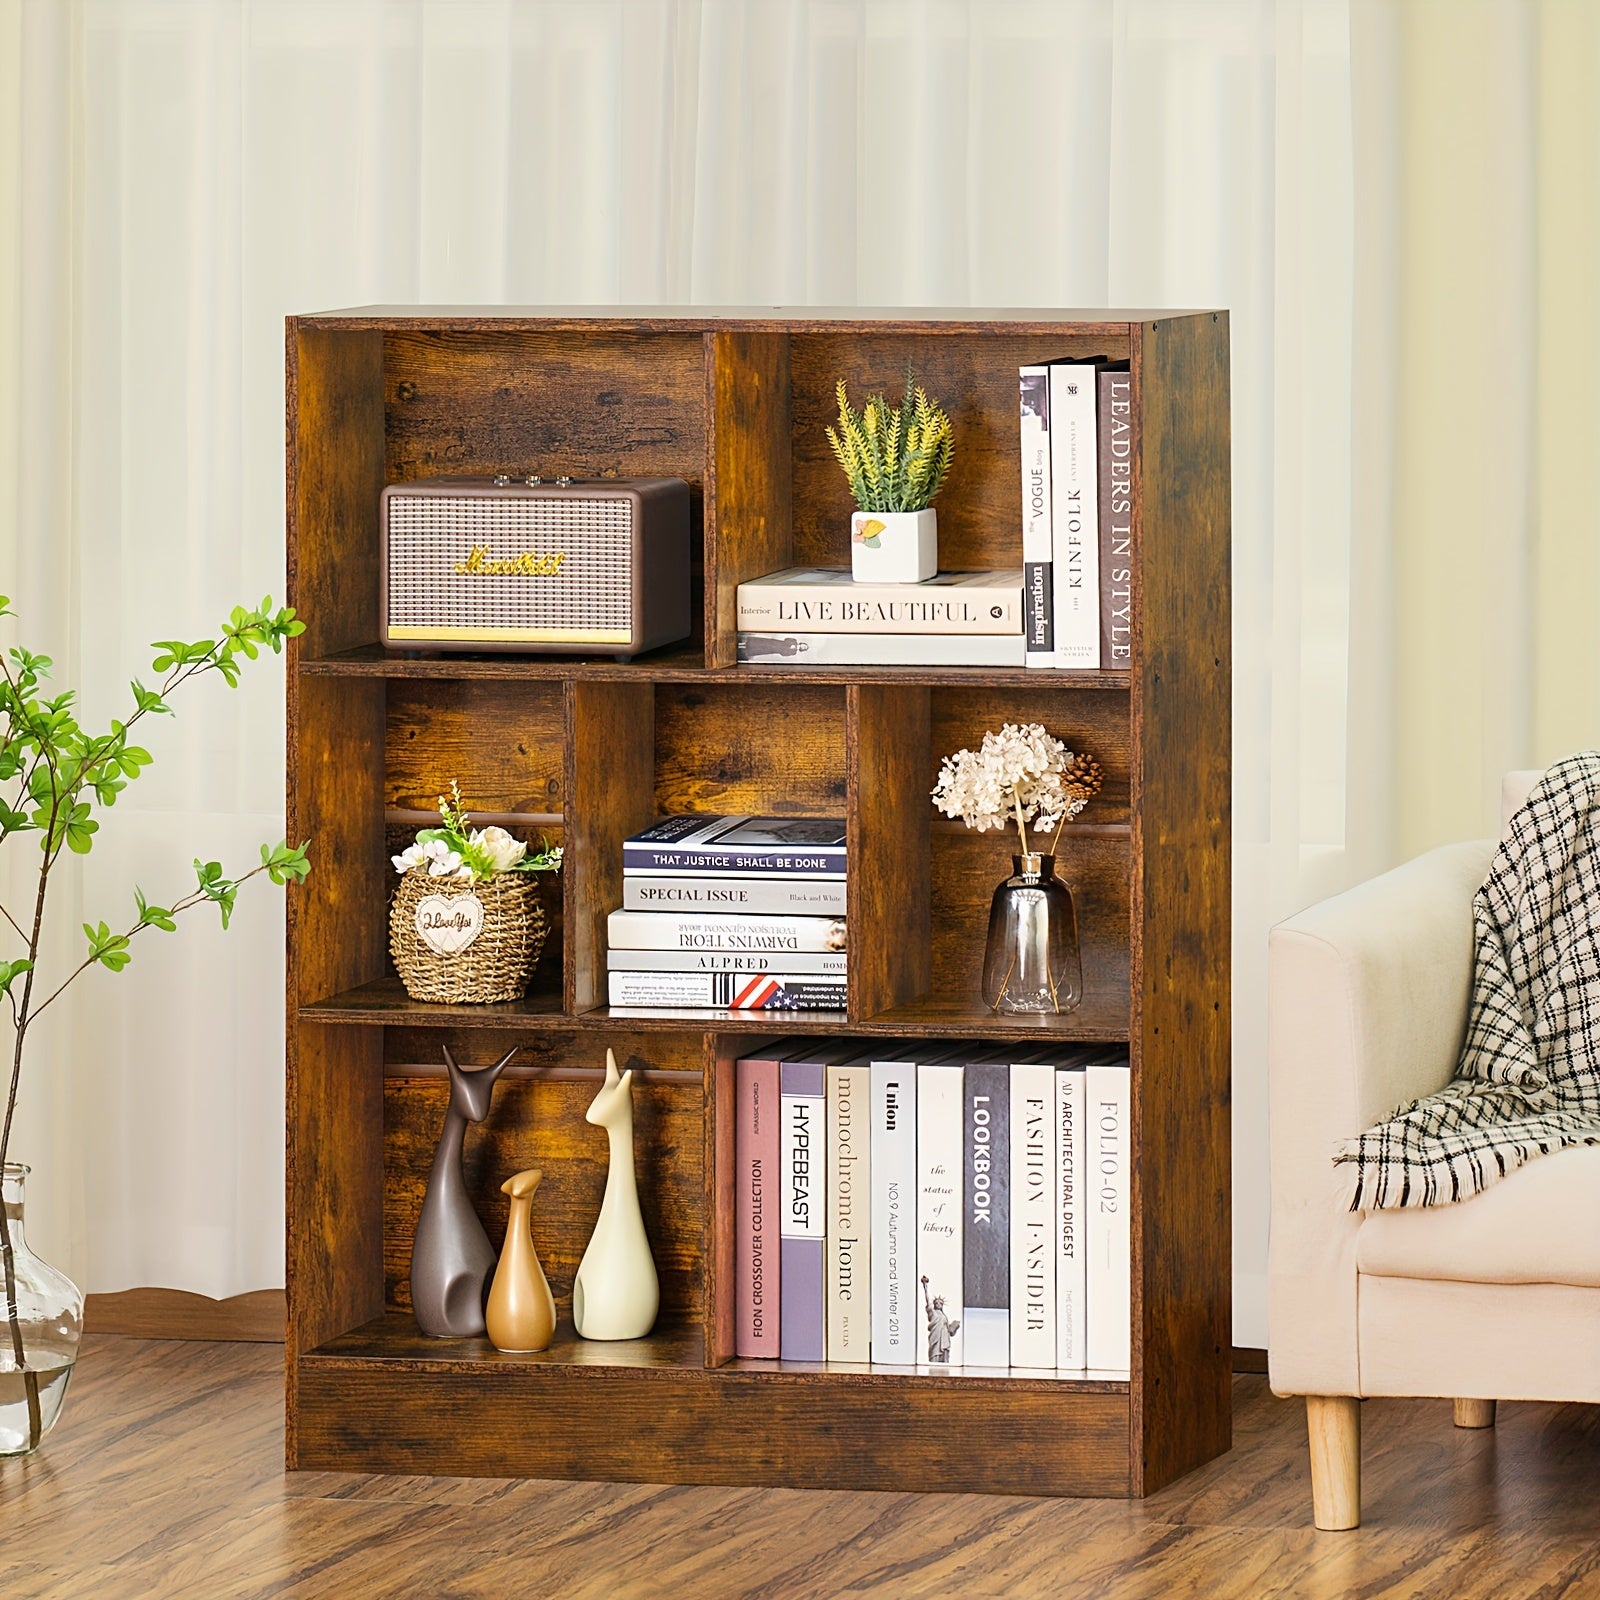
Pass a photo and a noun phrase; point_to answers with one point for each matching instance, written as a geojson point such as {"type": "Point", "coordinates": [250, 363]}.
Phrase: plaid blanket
{"type": "Point", "coordinates": [1528, 1081]}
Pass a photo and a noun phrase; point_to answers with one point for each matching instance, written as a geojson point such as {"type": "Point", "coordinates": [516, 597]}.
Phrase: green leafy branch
{"type": "Point", "coordinates": [895, 458]}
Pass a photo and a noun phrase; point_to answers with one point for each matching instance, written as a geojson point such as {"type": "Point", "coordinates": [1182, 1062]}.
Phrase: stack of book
{"type": "Point", "coordinates": [741, 913]}
{"type": "Point", "coordinates": [932, 1206]}
{"type": "Point", "coordinates": [1079, 424]}
{"type": "Point", "coordinates": [820, 617]}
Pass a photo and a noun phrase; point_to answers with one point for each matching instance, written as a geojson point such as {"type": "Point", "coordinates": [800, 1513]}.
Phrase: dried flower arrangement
{"type": "Point", "coordinates": [1021, 774]}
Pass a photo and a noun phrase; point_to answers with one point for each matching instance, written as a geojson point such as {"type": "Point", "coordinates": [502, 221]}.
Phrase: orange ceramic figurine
{"type": "Point", "coordinates": [521, 1314]}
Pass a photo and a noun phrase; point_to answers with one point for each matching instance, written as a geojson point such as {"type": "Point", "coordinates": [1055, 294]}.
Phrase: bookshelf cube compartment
{"type": "Point", "coordinates": [536, 1119]}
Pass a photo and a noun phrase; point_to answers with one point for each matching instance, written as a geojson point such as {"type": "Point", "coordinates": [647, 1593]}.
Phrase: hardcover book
{"type": "Point", "coordinates": [849, 1243]}
{"type": "Point", "coordinates": [1075, 512]}
{"type": "Point", "coordinates": [1038, 593]}
{"type": "Point", "coordinates": [799, 966]}
{"type": "Point", "coordinates": [802, 1087]}
{"type": "Point", "coordinates": [1072, 1326]}
{"type": "Point", "coordinates": [737, 895]}
{"type": "Point", "coordinates": [1033, 1211]}
{"type": "Point", "coordinates": [827, 600]}
{"type": "Point", "coordinates": [731, 991]}
{"type": "Point", "coordinates": [896, 1301]}
{"type": "Point", "coordinates": [756, 1249]}
{"type": "Point", "coordinates": [774, 936]}
{"type": "Point", "coordinates": [1116, 436]}
{"type": "Point", "coordinates": [799, 847]}
{"type": "Point", "coordinates": [801, 1304]}
{"type": "Point", "coordinates": [880, 649]}
{"type": "Point", "coordinates": [1108, 1236]}
{"type": "Point", "coordinates": [940, 1174]}
{"type": "Point", "coordinates": [986, 1216]}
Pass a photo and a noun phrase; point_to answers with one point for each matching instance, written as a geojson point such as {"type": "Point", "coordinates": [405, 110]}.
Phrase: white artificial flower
{"type": "Point", "coordinates": [443, 862]}
{"type": "Point", "coordinates": [412, 856]}
{"type": "Point", "coordinates": [503, 851]}
{"type": "Point", "coordinates": [1016, 771]}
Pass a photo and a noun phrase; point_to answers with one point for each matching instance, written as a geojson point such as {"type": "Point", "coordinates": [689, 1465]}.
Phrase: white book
{"type": "Point", "coordinates": [896, 1299]}
{"type": "Point", "coordinates": [731, 991]}
{"type": "Point", "coordinates": [828, 600]}
{"type": "Point", "coordinates": [771, 936]}
{"type": "Point", "coordinates": [760, 897]}
{"type": "Point", "coordinates": [807, 966]}
{"type": "Point", "coordinates": [1108, 1235]}
{"type": "Point", "coordinates": [1072, 1327]}
{"type": "Point", "coordinates": [881, 649]}
{"type": "Point", "coordinates": [940, 1174]}
{"type": "Point", "coordinates": [1033, 1212]}
{"type": "Point", "coordinates": [1038, 598]}
{"type": "Point", "coordinates": [1075, 512]}
{"type": "Point", "coordinates": [847, 1254]}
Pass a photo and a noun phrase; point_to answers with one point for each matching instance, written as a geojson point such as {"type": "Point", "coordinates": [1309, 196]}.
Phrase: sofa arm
{"type": "Point", "coordinates": [1366, 1008]}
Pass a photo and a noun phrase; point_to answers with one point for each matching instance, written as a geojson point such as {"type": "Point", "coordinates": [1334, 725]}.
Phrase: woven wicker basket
{"type": "Point", "coordinates": [498, 962]}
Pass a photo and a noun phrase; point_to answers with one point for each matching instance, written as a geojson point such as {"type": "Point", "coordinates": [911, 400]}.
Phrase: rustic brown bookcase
{"type": "Point", "coordinates": [590, 750]}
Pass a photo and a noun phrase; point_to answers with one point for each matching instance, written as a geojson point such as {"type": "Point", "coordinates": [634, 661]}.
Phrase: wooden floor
{"type": "Point", "coordinates": [164, 1479]}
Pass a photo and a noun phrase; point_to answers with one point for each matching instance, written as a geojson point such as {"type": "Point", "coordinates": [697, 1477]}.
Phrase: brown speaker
{"type": "Point", "coordinates": [550, 566]}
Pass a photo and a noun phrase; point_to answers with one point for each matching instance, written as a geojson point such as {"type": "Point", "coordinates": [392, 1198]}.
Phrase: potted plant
{"type": "Point", "coordinates": [1022, 774]}
{"type": "Point", "coordinates": [466, 925]}
{"type": "Point", "coordinates": [895, 459]}
{"type": "Point", "coordinates": [55, 776]}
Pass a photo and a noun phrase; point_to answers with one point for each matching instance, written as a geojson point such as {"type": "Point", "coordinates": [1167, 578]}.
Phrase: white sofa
{"type": "Point", "coordinates": [1494, 1297]}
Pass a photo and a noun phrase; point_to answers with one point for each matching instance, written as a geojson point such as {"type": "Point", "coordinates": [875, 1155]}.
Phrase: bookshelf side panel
{"type": "Point", "coordinates": [747, 475]}
{"type": "Point", "coordinates": [889, 920]}
{"type": "Point", "coordinates": [1180, 786]}
{"type": "Point", "coordinates": [610, 774]}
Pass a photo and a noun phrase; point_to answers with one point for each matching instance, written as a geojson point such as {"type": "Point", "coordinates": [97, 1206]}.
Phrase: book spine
{"type": "Point", "coordinates": [1108, 1234]}
{"type": "Point", "coordinates": [798, 608]}
{"type": "Point", "coordinates": [791, 965]}
{"type": "Point", "coordinates": [1071, 1282]}
{"type": "Point", "coordinates": [1033, 1196]}
{"type": "Point", "coordinates": [849, 1241]}
{"type": "Point", "coordinates": [880, 650]}
{"type": "Point", "coordinates": [801, 1306]}
{"type": "Point", "coordinates": [1075, 513]}
{"type": "Point", "coordinates": [939, 1203]}
{"type": "Point", "coordinates": [755, 1144]}
{"type": "Point", "coordinates": [737, 863]}
{"type": "Point", "coordinates": [769, 936]}
{"type": "Point", "coordinates": [1116, 434]}
{"type": "Point", "coordinates": [986, 1216]}
{"type": "Point", "coordinates": [729, 991]}
{"type": "Point", "coordinates": [738, 896]}
{"type": "Point", "coordinates": [896, 1301]}
{"type": "Point", "coordinates": [1038, 592]}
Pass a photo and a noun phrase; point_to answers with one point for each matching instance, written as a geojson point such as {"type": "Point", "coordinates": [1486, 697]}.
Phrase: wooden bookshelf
{"type": "Point", "coordinates": [590, 749]}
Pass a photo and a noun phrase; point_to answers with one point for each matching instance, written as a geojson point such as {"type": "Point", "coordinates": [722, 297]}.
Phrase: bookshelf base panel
{"type": "Point", "coordinates": [651, 1413]}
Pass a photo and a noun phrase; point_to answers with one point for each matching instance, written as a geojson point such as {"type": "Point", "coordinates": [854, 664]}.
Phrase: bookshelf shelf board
{"type": "Point", "coordinates": [912, 1378]}
{"type": "Point", "coordinates": [1100, 1019]}
{"type": "Point", "coordinates": [682, 664]}
{"type": "Point", "coordinates": [385, 1004]}
{"type": "Point", "coordinates": [394, 1339]}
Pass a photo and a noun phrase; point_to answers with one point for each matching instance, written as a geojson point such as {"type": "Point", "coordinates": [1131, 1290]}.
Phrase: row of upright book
{"type": "Point", "coordinates": [1078, 426]}
{"type": "Point", "coordinates": [933, 1206]}
{"type": "Point", "coordinates": [731, 913]}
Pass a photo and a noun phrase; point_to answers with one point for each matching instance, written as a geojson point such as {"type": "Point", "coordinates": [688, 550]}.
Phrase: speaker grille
{"type": "Point", "coordinates": [430, 535]}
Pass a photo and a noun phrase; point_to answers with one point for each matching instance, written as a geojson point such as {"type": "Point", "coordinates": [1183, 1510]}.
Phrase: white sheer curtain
{"type": "Point", "coordinates": [174, 178]}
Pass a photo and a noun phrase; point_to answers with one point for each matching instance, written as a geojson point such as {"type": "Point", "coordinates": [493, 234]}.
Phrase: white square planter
{"type": "Point", "coordinates": [894, 546]}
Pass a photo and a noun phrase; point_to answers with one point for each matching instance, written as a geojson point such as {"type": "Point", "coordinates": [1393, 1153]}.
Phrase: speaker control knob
{"type": "Point", "coordinates": [501, 480]}
{"type": "Point", "coordinates": [563, 481]}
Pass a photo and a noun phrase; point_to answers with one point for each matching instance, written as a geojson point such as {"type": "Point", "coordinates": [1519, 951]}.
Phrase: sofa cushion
{"type": "Point", "coordinates": [1536, 1225]}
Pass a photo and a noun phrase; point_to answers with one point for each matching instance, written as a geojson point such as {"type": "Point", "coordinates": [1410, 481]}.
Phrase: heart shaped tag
{"type": "Point", "coordinates": [447, 924]}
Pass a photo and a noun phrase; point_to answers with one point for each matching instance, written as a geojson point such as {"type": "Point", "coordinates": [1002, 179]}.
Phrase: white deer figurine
{"type": "Point", "coordinates": [616, 1293]}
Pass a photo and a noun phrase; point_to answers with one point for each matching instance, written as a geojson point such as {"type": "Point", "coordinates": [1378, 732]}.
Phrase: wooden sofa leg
{"type": "Point", "coordinates": [1474, 1413]}
{"type": "Point", "coordinates": [1334, 1424]}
